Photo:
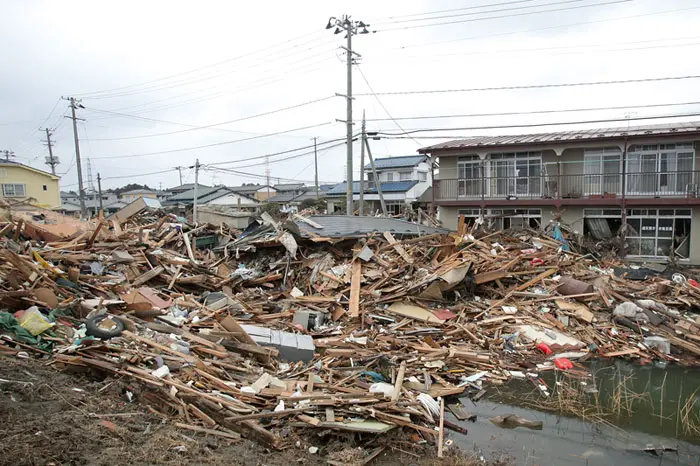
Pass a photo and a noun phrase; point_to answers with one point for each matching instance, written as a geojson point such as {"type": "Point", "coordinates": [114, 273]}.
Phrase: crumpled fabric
{"type": "Point", "coordinates": [631, 311]}
{"type": "Point", "coordinates": [11, 325]}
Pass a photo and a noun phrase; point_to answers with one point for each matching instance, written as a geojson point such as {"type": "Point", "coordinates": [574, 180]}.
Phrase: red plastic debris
{"type": "Point", "coordinates": [693, 283]}
{"type": "Point", "coordinates": [563, 363]}
{"type": "Point", "coordinates": [544, 348]}
{"type": "Point", "coordinates": [536, 261]}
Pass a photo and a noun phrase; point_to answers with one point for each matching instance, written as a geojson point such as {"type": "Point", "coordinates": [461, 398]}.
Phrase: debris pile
{"type": "Point", "coordinates": [323, 324]}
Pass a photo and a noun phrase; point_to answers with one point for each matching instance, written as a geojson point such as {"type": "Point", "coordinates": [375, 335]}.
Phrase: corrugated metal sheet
{"type": "Point", "coordinates": [397, 162]}
{"type": "Point", "coordinates": [387, 187]}
{"type": "Point", "coordinates": [343, 226]}
{"type": "Point", "coordinates": [475, 142]}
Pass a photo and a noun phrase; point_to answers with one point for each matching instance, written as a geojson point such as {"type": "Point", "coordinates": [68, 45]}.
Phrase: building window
{"type": "Point", "coordinates": [422, 176]}
{"type": "Point", "coordinates": [504, 219]}
{"type": "Point", "coordinates": [516, 174]}
{"type": "Point", "coordinates": [469, 182]}
{"type": "Point", "coordinates": [602, 170]}
{"type": "Point", "coordinates": [660, 169]}
{"type": "Point", "coordinates": [13, 190]}
{"type": "Point", "coordinates": [394, 208]}
{"type": "Point", "coordinates": [658, 233]}
{"type": "Point", "coordinates": [390, 176]}
{"type": "Point", "coordinates": [43, 187]}
{"type": "Point", "coordinates": [405, 176]}
{"type": "Point", "coordinates": [470, 216]}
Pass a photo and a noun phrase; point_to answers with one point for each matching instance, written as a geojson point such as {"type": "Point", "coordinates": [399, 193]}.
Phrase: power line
{"type": "Point", "coordinates": [533, 125]}
{"type": "Point", "coordinates": [411, 20]}
{"type": "Point", "coordinates": [557, 26]}
{"type": "Point", "coordinates": [529, 13]}
{"type": "Point", "coordinates": [534, 112]}
{"type": "Point", "coordinates": [207, 78]}
{"type": "Point", "coordinates": [289, 72]}
{"type": "Point", "coordinates": [295, 156]}
{"type": "Point", "coordinates": [214, 144]}
{"type": "Point", "coordinates": [380, 102]}
{"type": "Point", "coordinates": [128, 176]}
{"type": "Point", "coordinates": [288, 151]}
{"type": "Point", "coordinates": [535, 86]}
{"type": "Point", "coordinates": [212, 126]}
{"type": "Point", "coordinates": [379, 20]}
{"type": "Point", "coordinates": [165, 78]}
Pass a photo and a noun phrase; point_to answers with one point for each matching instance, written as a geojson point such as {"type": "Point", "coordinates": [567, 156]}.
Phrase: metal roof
{"type": "Point", "coordinates": [397, 162]}
{"type": "Point", "coordinates": [289, 186]}
{"type": "Point", "coordinates": [387, 187]}
{"type": "Point", "coordinates": [475, 142]}
{"type": "Point", "coordinates": [15, 163]}
{"type": "Point", "coordinates": [343, 226]}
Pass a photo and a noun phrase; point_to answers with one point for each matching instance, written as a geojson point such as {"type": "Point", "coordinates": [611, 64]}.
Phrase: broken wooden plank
{"type": "Point", "coordinates": [355, 285]}
{"type": "Point", "coordinates": [397, 247]}
{"type": "Point", "coordinates": [151, 274]}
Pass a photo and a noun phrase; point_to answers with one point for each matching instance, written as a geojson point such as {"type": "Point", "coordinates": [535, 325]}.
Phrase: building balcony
{"type": "Point", "coordinates": [578, 189]}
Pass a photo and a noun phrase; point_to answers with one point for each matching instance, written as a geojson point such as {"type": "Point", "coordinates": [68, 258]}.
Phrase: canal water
{"type": "Point", "coordinates": [644, 407]}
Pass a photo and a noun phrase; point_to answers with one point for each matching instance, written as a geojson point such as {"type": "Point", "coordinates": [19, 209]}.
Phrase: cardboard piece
{"type": "Point", "coordinates": [414, 312]}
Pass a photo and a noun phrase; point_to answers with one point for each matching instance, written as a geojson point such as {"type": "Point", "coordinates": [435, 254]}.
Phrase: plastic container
{"type": "Point", "coordinates": [34, 321]}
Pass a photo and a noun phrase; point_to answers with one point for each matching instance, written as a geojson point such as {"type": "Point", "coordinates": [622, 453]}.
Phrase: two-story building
{"type": "Point", "coordinates": [597, 181]}
{"type": "Point", "coordinates": [402, 181]}
{"type": "Point", "coordinates": [22, 183]}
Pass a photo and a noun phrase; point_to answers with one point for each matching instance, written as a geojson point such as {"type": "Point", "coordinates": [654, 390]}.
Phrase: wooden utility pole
{"type": "Point", "coordinates": [376, 177]}
{"type": "Point", "coordinates": [363, 136]}
{"type": "Point", "coordinates": [99, 189]}
{"type": "Point", "coordinates": [316, 167]}
{"type": "Point", "coordinates": [196, 186]}
{"type": "Point", "coordinates": [50, 160]}
{"type": "Point", "coordinates": [81, 191]}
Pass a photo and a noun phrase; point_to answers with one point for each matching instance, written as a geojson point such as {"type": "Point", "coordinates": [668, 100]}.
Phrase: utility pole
{"type": "Point", "coordinates": [376, 178]}
{"type": "Point", "coordinates": [50, 160]}
{"type": "Point", "coordinates": [196, 184]}
{"type": "Point", "coordinates": [7, 154]}
{"type": "Point", "coordinates": [363, 136]}
{"type": "Point", "coordinates": [99, 189]}
{"type": "Point", "coordinates": [81, 192]}
{"type": "Point", "coordinates": [351, 28]}
{"type": "Point", "coordinates": [316, 167]}
{"type": "Point", "coordinates": [179, 170]}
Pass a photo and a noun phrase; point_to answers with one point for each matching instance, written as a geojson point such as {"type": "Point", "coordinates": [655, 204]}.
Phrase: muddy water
{"type": "Point", "coordinates": [653, 400]}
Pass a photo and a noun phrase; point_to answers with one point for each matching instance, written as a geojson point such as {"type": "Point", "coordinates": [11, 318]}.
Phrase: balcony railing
{"type": "Point", "coordinates": [609, 185]}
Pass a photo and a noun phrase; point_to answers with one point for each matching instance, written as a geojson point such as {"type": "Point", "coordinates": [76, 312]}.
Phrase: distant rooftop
{"type": "Point", "coordinates": [397, 162]}
{"type": "Point", "coordinates": [370, 187]}
{"type": "Point", "coordinates": [691, 128]}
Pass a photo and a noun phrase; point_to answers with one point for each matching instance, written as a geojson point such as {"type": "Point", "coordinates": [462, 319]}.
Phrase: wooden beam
{"type": "Point", "coordinates": [355, 286]}
{"type": "Point", "coordinates": [397, 247]}
{"type": "Point", "coordinates": [151, 274]}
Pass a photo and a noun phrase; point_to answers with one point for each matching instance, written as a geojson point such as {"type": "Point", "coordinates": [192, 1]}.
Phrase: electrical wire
{"type": "Point", "coordinates": [207, 78]}
{"type": "Point", "coordinates": [534, 112]}
{"type": "Point", "coordinates": [216, 144]}
{"type": "Point", "coordinates": [212, 126]}
{"type": "Point", "coordinates": [500, 10]}
{"type": "Point", "coordinates": [534, 125]}
{"type": "Point", "coordinates": [288, 151]}
{"type": "Point", "coordinates": [380, 20]}
{"type": "Point", "coordinates": [535, 86]}
{"type": "Point", "coordinates": [380, 102]}
{"type": "Point", "coordinates": [513, 15]}
{"type": "Point", "coordinates": [228, 60]}
{"type": "Point", "coordinates": [546, 28]}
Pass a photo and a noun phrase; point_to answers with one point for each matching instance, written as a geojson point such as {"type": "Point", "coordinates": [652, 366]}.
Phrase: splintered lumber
{"type": "Point", "coordinates": [355, 285]}
{"type": "Point", "coordinates": [151, 274]}
{"type": "Point", "coordinates": [204, 430]}
{"type": "Point", "coordinates": [397, 247]}
{"type": "Point", "coordinates": [163, 348]}
{"type": "Point", "coordinates": [486, 277]}
{"type": "Point", "coordinates": [441, 435]}
{"type": "Point", "coordinates": [399, 382]}
{"type": "Point", "coordinates": [537, 279]}
{"type": "Point", "coordinates": [267, 415]}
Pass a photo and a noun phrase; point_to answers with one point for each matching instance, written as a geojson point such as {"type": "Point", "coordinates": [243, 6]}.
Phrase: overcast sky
{"type": "Point", "coordinates": [151, 74]}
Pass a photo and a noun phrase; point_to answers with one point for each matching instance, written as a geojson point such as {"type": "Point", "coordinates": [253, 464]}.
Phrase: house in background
{"type": "Point", "coordinates": [403, 180]}
{"type": "Point", "coordinates": [290, 200]}
{"type": "Point", "coordinates": [259, 192]}
{"type": "Point", "coordinates": [185, 187]}
{"type": "Point", "coordinates": [70, 202]}
{"type": "Point", "coordinates": [216, 196]}
{"type": "Point", "coordinates": [134, 194]}
{"type": "Point", "coordinates": [22, 183]}
{"type": "Point", "coordinates": [593, 180]}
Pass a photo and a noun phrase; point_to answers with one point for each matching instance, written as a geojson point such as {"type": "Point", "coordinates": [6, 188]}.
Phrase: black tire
{"type": "Point", "coordinates": [93, 329]}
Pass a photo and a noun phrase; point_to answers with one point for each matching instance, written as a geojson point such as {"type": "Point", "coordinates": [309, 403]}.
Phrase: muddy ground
{"type": "Point", "coordinates": [48, 417]}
